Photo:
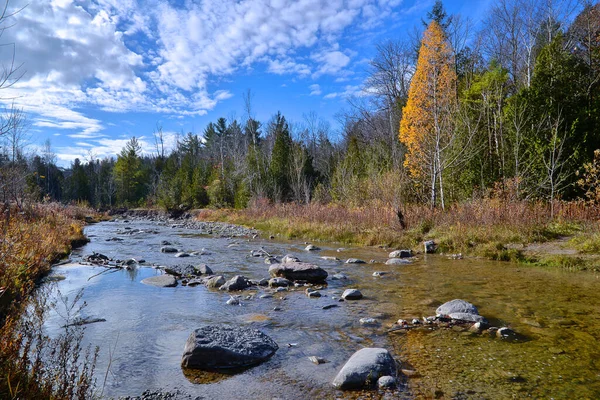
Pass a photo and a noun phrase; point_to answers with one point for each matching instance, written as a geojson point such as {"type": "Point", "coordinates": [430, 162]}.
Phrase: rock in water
{"type": "Point", "coordinates": [298, 271]}
{"type": "Point", "coordinates": [352, 294]}
{"type": "Point", "coordinates": [364, 368]}
{"type": "Point", "coordinates": [397, 261]}
{"type": "Point", "coordinates": [214, 282]}
{"type": "Point", "coordinates": [457, 306]}
{"type": "Point", "coordinates": [468, 317]}
{"type": "Point", "coordinates": [400, 254]}
{"type": "Point", "coordinates": [167, 249]}
{"type": "Point", "coordinates": [161, 281]}
{"type": "Point", "coordinates": [355, 261]}
{"type": "Point", "coordinates": [279, 282]}
{"type": "Point", "coordinates": [429, 246]}
{"type": "Point", "coordinates": [312, 247]}
{"type": "Point", "coordinates": [217, 347]}
{"type": "Point", "coordinates": [289, 258]}
{"type": "Point", "coordinates": [238, 282]}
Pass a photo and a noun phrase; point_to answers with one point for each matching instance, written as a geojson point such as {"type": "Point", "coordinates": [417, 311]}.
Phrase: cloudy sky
{"type": "Point", "coordinates": [96, 72]}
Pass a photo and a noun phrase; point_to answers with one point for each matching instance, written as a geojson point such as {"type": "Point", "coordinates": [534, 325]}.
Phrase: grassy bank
{"type": "Point", "coordinates": [490, 228]}
{"type": "Point", "coordinates": [31, 364]}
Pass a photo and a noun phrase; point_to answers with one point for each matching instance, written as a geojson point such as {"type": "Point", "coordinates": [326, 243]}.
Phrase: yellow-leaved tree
{"type": "Point", "coordinates": [427, 126]}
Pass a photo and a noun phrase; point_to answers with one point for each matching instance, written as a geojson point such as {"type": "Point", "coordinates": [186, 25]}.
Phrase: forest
{"type": "Point", "coordinates": [453, 111]}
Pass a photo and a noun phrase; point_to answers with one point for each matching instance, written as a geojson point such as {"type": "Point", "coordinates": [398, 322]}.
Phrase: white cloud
{"type": "Point", "coordinates": [315, 90]}
{"type": "Point", "coordinates": [162, 56]}
{"type": "Point", "coordinates": [349, 91]}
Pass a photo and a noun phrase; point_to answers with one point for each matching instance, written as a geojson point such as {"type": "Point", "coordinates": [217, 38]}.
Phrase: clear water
{"type": "Point", "coordinates": [147, 326]}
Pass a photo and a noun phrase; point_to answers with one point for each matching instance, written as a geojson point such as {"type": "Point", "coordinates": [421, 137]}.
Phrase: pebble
{"type": "Point", "coordinates": [317, 360]}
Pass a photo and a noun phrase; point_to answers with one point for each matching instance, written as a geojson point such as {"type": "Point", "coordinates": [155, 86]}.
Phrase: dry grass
{"type": "Point", "coordinates": [31, 364]}
{"type": "Point", "coordinates": [480, 227]}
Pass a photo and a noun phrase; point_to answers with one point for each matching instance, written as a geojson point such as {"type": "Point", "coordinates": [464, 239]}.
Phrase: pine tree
{"type": "Point", "coordinates": [279, 168]}
{"type": "Point", "coordinates": [129, 175]}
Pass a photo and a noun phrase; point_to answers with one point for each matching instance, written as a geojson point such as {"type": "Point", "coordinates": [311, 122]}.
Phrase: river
{"type": "Point", "coordinates": [142, 339]}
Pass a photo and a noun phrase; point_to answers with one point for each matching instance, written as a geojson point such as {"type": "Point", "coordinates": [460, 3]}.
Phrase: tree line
{"type": "Point", "coordinates": [450, 113]}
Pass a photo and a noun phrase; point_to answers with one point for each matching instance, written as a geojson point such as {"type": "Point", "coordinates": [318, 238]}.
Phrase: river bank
{"type": "Point", "coordinates": [521, 232]}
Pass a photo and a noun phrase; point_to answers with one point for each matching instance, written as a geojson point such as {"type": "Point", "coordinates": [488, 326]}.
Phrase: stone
{"type": "Point", "coordinates": [181, 270]}
{"type": "Point", "coordinates": [279, 282]}
{"type": "Point", "coordinates": [364, 369]}
{"type": "Point", "coordinates": [312, 247]}
{"type": "Point", "coordinates": [238, 282]}
{"type": "Point", "coordinates": [317, 360]}
{"type": "Point", "coordinates": [330, 258]}
{"type": "Point", "coordinates": [203, 269]}
{"type": "Point", "coordinates": [400, 254]}
{"type": "Point", "coordinates": [168, 249]}
{"type": "Point", "coordinates": [329, 306]}
{"type": "Point", "coordinates": [214, 282]}
{"type": "Point", "coordinates": [457, 306]}
{"type": "Point", "coordinates": [165, 243]}
{"type": "Point", "coordinates": [368, 321]}
{"type": "Point", "coordinates": [182, 254]}
{"type": "Point", "coordinates": [355, 261]}
{"type": "Point", "coordinates": [298, 271]}
{"type": "Point", "coordinates": [379, 273]}
{"type": "Point", "coordinates": [233, 301]}
{"type": "Point", "coordinates": [161, 281]}
{"type": "Point", "coordinates": [506, 333]}
{"type": "Point", "coordinates": [339, 277]}
{"type": "Point", "coordinates": [220, 347]}
{"type": "Point", "coordinates": [312, 292]}
{"type": "Point", "coordinates": [429, 246]}
{"type": "Point", "coordinates": [352, 294]}
{"type": "Point", "coordinates": [386, 382]}
{"type": "Point", "coordinates": [398, 261]}
{"type": "Point", "coordinates": [468, 317]}
{"type": "Point", "coordinates": [288, 258]}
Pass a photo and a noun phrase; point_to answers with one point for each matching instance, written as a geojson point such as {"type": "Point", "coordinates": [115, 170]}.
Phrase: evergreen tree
{"type": "Point", "coordinates": [279, 168]}
{"type": "Point", "coordinates": [129, 174]}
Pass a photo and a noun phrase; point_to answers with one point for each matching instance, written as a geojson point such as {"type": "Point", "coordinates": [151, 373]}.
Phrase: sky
{"type": "Point", "coordinates": [94, 73]}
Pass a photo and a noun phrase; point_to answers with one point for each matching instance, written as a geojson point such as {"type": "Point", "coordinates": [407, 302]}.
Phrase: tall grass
{"type": "Point", "coordinates": [31, 364]}
{"type": "Point", "coordinates": [481, 226]}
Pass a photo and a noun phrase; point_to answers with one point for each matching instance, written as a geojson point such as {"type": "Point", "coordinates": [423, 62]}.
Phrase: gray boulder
{"type": "Point", "coordinates": [168, 249]}
{"type": "Point", "coordinates": [400, 254]}
{"type": "Point", "coordinates": [279, 282]}
{"type": "Point", "coordinates": [355, 261]}
{"type": "Point", "coordinates": [457, 306]}
{"type": "Point", "coordinates": [397, 261]}
{"type": "Point", "coordinates": [386, 382]}
{"type": "Point", "coordinates": [161, 281]}
{"type": "Point", "coordinates": [364, 368]}
{"type": "Point", "coordinates": [468, 317]}
{"type": "Point", "coordinates": [219, 347]}
{"type": "Point", "coordinates": [238, 282]}
{"type": "Point", "coordinates": [312, 247]}
{"type": "Point", "coordinates": [298, 271]}
{"type": "Point", "coordinates": [203, 269]}
{"type": "Point", "coordinates": [352, 294]}
{"type": "Point", "coordinates": [288, 258]}
{"type": "Point", "coordinates": [214, 282]}
{"type": "Point", "coordinates": [181, 255]}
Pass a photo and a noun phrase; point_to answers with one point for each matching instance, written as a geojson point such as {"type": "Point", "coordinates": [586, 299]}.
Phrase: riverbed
{"type": "Point", "coordinates": [555, 313]}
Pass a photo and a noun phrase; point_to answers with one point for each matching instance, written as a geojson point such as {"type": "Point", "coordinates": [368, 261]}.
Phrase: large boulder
{"type": "Point", "coordinates": [161, 281]}
{"type": "Point", "coordinates": [352, 294]}
{"type": "Point", "coordinates": [467, 317]}
{"type": "Point", "coordinates": [457, 306]}
{"type": "Point", "coordinates": [298, 271]}
{"type": "Point", "coordinates": [219, 347]}
{"type": "Point", "coordinates": [364, 368]}
{"type": "Point", "coordinates": [238, 282]}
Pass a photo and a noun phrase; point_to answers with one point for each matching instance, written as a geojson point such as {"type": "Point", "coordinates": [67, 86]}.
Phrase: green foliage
{"type": "Point", "coordinates": [130, 176]}
{"type": "Point", "coordinates": [279, 167]}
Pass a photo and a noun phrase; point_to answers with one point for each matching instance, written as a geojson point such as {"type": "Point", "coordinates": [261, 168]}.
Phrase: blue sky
{"type": "Point", "coordinates": [96, 72]}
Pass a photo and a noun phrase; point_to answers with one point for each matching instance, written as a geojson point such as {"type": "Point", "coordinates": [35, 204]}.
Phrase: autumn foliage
{"type": "Point", "coordinates": [426, 125]}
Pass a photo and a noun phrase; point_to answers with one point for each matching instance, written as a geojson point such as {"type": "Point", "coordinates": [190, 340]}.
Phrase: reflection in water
{"type": "Point", "coordinates": [557, 312]}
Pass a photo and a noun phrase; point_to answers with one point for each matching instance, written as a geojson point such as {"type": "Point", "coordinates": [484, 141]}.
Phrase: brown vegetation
{"type": "Point", "coordinates": [32, 365]}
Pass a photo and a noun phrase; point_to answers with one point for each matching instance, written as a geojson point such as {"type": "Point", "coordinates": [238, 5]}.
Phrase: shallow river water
{"type": "Point", "coordinates": [146, 327]}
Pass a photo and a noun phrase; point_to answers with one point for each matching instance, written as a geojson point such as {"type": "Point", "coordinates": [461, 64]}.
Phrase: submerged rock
{"type": "Point", "coordinates": [298, 271]}
{"type": "Point", "coordinates": [312, 247]}
{"type": "Point", "coordinates": [218, 347]}
{"type": "Point", "coordinates": [364, 369]}
{"type": "Point", "coordinates": [398, 261]}
{"type": "Point", "coordinates": [161, 281]}
{"type": "Point", "coordinates": [279, 282]}
{"type": "Point", "coordinates": [168, 249]}
{"type": "Point", "coordinates": [288, 258]}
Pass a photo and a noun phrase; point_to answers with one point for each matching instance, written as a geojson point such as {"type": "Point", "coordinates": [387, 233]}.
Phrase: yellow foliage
{"type": "Point", "coordinates": [426, 118]}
